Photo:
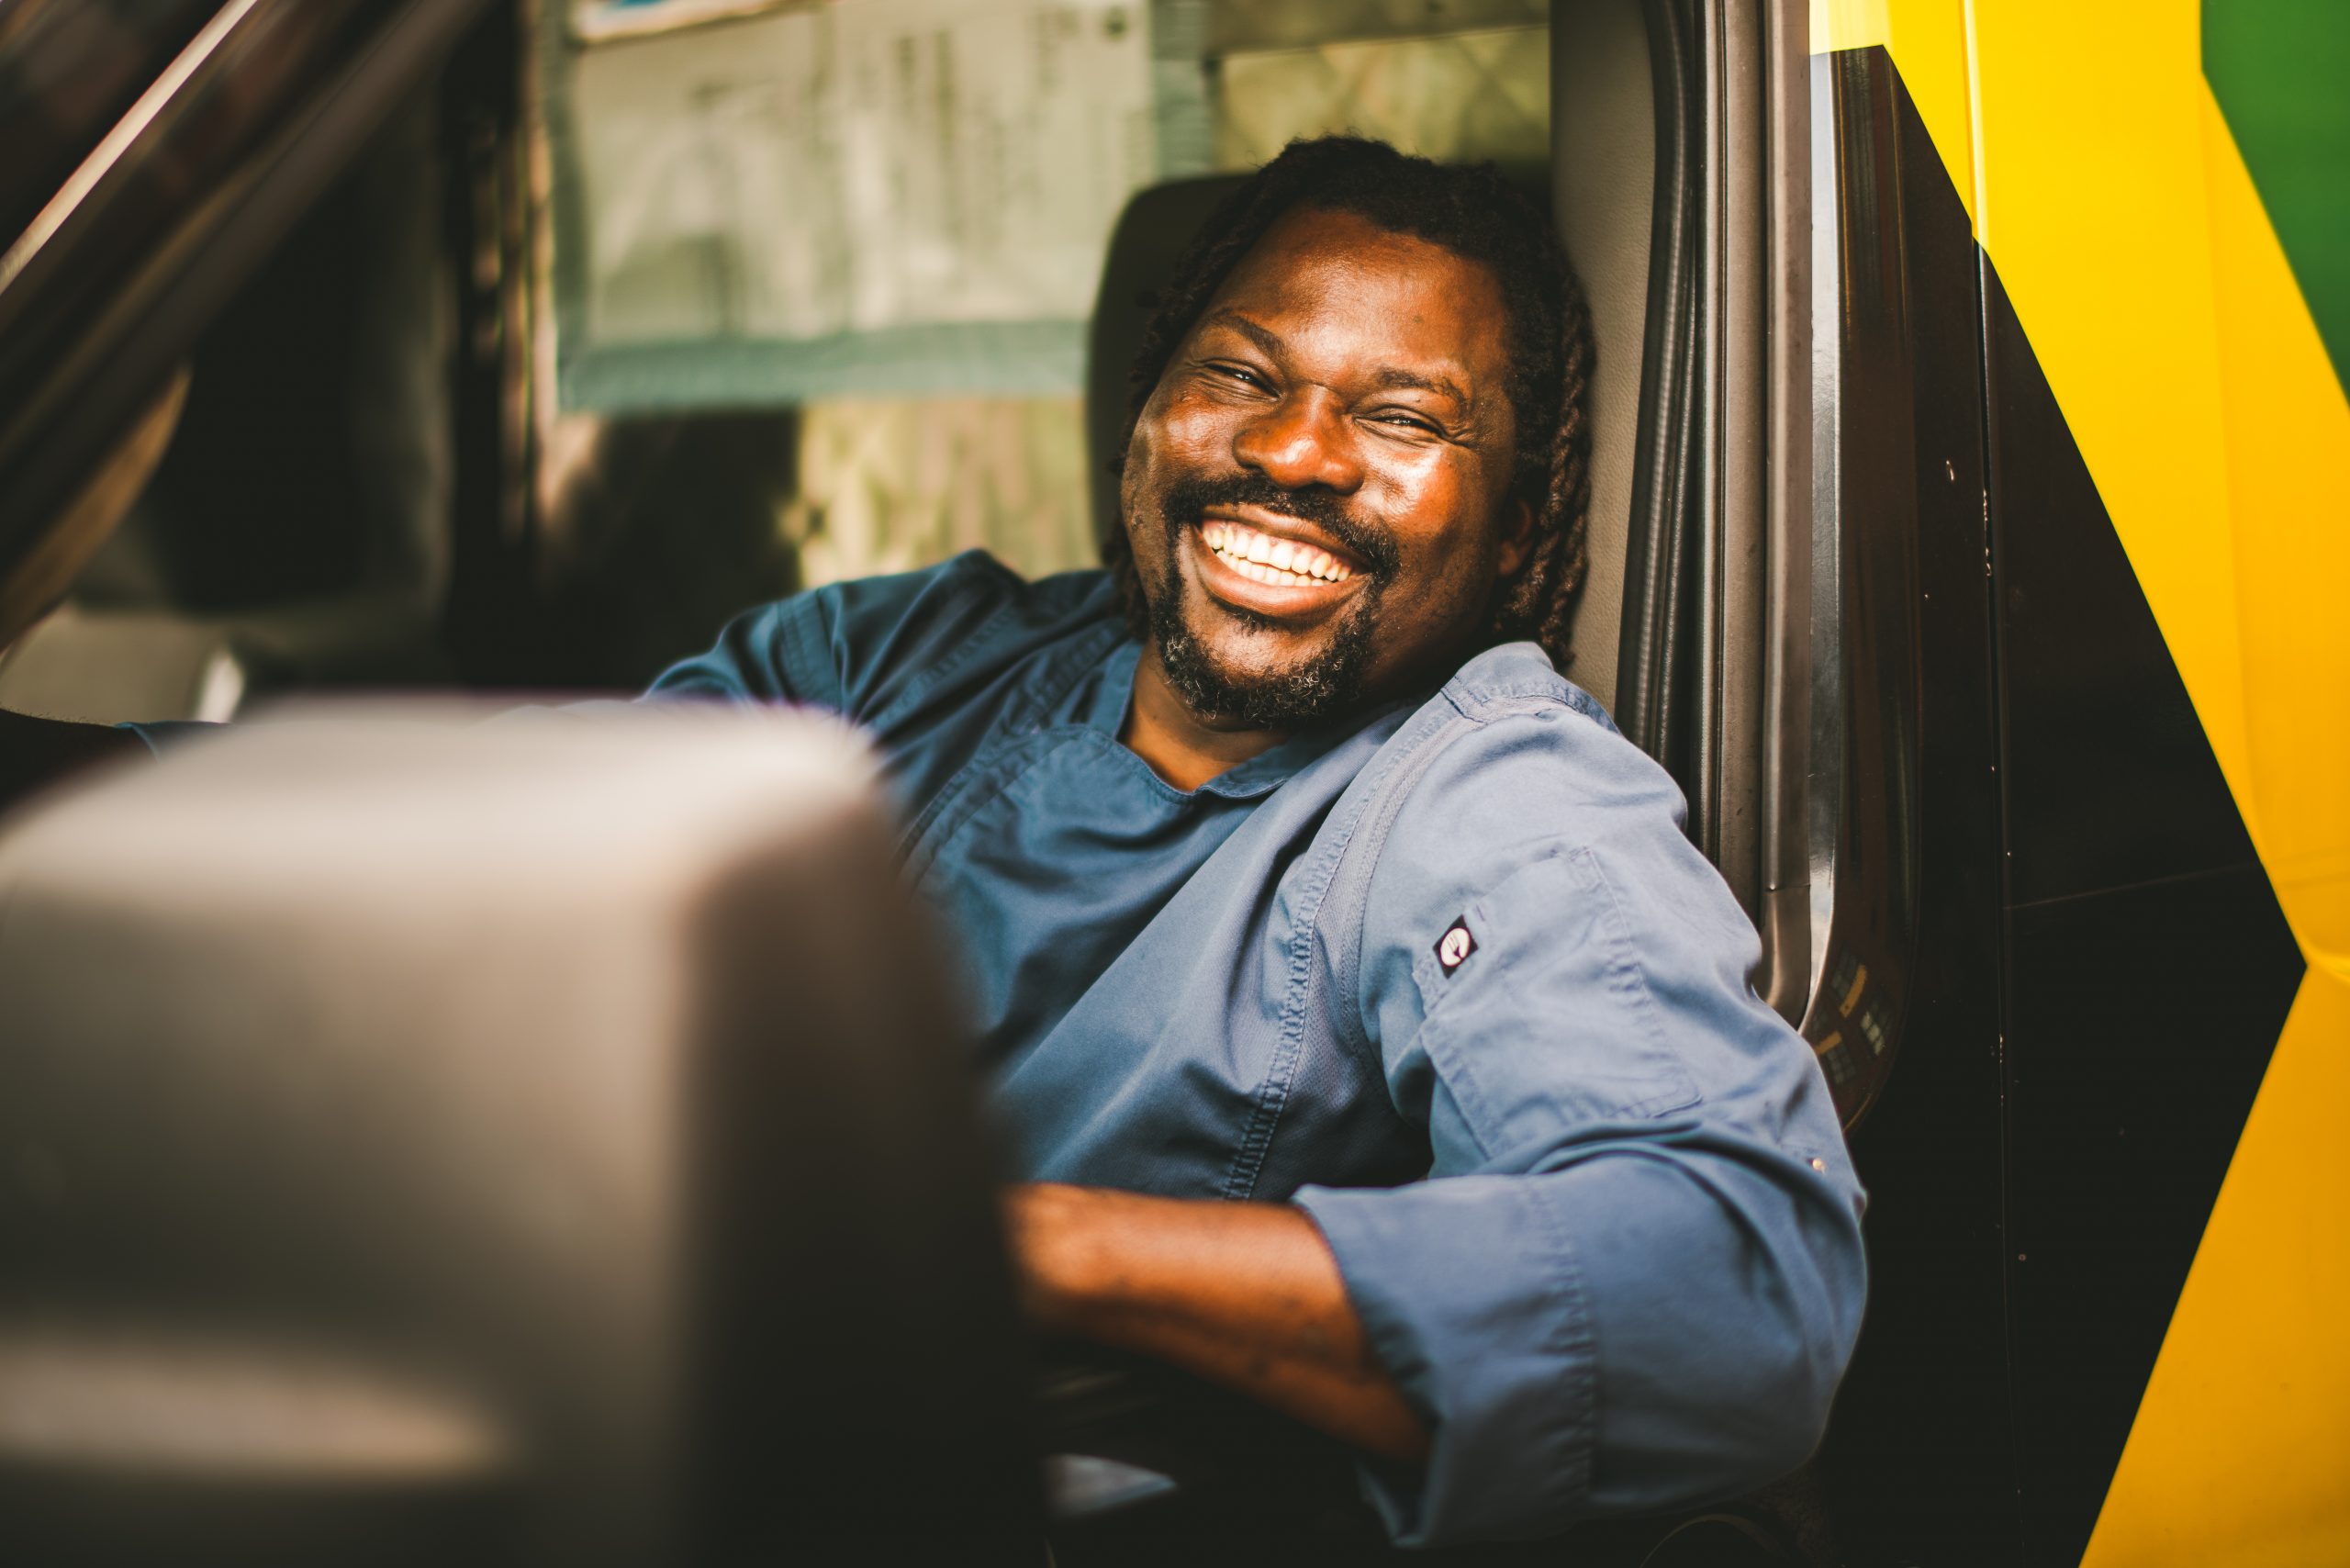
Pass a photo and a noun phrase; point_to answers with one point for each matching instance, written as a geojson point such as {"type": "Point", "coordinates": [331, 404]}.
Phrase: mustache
{"type": "Point", "coordinates": [1187, 500]}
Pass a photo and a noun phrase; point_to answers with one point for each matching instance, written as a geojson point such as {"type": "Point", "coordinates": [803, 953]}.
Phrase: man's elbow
{"type": "Point", "coordinates": [1790, 1432]}
{"type": "Point", "coordinates": [1757, 1357]}
{"type": "Point", "coordinates": [1754, 1423]}
{"type": "Point", "coordinates": [1787, 1406]}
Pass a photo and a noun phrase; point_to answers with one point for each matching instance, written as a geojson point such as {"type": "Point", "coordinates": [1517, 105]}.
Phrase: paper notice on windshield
{"type": "Point", "coordinates": [851, 168]}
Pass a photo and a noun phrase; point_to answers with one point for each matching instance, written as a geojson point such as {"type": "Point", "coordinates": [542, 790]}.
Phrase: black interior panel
{"type": "Point", "coordinates": [1918, 1459]}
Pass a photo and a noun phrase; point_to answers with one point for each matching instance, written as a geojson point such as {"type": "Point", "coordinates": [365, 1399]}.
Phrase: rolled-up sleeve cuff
{"type": "Point", "coordinates": [1469, 1293]}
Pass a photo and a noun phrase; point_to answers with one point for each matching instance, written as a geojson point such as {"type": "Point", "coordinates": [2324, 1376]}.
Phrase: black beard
{"type": "Point", "coordinates": [1328, 686]}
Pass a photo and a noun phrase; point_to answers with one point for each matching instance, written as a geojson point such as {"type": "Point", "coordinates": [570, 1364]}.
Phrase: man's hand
{"type": "Point", "coordinates": [35, 752]}
{"type": "Point", "coordinates": [1247, 1294]}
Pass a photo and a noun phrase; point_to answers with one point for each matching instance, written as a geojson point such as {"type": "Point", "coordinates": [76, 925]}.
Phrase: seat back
{"type": "Point", "coordinates": [530, 1143]}
{"type": "Point", "coordinates": [1152, 232]}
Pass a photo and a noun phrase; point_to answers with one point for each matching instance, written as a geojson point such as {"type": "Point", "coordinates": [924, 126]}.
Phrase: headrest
{"type": "Point", "coordinates": [1151, 233]}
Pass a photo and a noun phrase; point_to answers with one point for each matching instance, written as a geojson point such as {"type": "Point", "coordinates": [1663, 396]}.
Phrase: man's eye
{"type": "Point", "coordinates": [1411, 422]}
{"type": "Point", "coordinates": [1239, 373]}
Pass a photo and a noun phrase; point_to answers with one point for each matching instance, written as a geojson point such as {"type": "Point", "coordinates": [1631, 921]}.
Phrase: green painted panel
{"type": "Point", "coordinates": [1019, 359]}
{"type": "Point", "coordinates": [2281, 70]}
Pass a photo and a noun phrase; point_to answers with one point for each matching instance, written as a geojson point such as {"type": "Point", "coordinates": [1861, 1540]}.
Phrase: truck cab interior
{"type": "Point", "coordinates": [283, 411]}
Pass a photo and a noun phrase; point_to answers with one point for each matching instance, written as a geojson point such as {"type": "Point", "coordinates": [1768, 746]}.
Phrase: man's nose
{"type": "Point", "coordinates": [1301, 440]}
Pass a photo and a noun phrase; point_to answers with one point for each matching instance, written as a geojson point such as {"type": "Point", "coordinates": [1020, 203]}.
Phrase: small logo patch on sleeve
{"type": "Point", "coordinates": [1452, 949]}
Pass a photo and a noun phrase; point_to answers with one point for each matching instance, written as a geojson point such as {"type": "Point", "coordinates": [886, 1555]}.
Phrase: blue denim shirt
{"type": "Point", "coordinates": [1587, 1192]}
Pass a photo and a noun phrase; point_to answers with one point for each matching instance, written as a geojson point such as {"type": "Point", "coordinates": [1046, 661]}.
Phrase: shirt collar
{"type": "Point", "coordinates": [1260, 775]}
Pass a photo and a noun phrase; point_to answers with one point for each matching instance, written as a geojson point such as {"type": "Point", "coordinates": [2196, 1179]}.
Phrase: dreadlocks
{"type": "Point", "coordinates": [1480, 216]}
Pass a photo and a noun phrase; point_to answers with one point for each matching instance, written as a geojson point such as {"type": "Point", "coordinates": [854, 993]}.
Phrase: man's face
{"type": "Point", "coordinates": [1317, 492]}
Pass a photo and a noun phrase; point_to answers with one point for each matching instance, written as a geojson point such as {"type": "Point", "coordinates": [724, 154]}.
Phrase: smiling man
{"type": "Point", "coordinates": [1371, 1036]}
{"type": "Point", "coordinates": [1366, 1033]}
{"type": "Point", "coordinates": [1319, 493]}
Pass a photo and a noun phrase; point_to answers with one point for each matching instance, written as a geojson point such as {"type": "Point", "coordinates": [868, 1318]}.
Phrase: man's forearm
{"type": "Point", "coordinates": [1247, 1294]}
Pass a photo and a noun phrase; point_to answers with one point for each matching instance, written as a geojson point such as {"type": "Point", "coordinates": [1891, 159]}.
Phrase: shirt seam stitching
{"type": "Point", "coordinates": [1577, 1345]}
{"type": "Point", "coordinates": [928, 680]}
{"type": "Point", "coordinates": [1350, 966]}
{"type": "Point", "coordinates": [1272, 1096]}
{"type": "Point", "coordinates": [933, 675]}
{"type": "Point", "coordinates": [936, 827]}
{"type": "Point", "coordinates": [1625, 971]}
{"type": "Point", "coordinates": [1354, 910]}
{"type": "Point", "coordinates": [1010, 737]}
{"type": "Point", "coordinates": [812, 635]}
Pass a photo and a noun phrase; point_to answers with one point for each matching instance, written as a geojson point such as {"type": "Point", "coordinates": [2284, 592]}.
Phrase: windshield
{"type": "Point", "coordinates": [69, 72]}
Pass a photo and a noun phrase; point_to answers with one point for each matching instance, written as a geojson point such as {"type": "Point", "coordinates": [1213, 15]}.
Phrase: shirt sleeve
{"type": "Point", "coordinates": [1634, 1276]}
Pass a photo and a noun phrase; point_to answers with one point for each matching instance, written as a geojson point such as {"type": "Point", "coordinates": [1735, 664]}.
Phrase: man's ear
{"type": "Point", "coordinates": [1517, 536]}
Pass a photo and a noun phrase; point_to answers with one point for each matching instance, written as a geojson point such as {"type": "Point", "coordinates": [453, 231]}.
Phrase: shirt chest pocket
{"type": "Point", "coordinates": [1540, 1016]}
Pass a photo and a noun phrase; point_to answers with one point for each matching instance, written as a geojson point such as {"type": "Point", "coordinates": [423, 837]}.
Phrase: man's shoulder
{"type": "Point", "coordinates": [865, 646]}
{"type": "Point", "coordinates": [914, 642]}
{"type": "Point", "coordinates": [1513, 678]}
{"type": "Point", "coordinates": [1513, 753]}
{"type": "Point", "coordinates": [973, 590]}
{"type": "Point", "coordinates": [1515, 779]}
{"type": "Point", "coordinates": [924, 638]}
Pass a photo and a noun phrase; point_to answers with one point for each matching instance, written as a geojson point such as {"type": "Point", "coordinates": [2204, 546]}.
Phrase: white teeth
{"type": "Point", "coordinates": [1263, 558]}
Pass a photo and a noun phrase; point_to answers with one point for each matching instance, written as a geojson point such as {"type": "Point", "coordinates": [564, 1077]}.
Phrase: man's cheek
{"type": "Point", "coordinates": [1192, 435]}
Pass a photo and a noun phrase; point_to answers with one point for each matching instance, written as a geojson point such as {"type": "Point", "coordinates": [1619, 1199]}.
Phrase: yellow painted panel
{"type": "Point", "coordinates": [2241, 1454]}
{"type": "Point", "coordinates": [1927, 39]}
{"type": "Point", "coordinates": [2130, 237]}
{"type": "Point", "coordinates": [2288, 436]}
{"type": "Point", "coordinates": [2095, 215]}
